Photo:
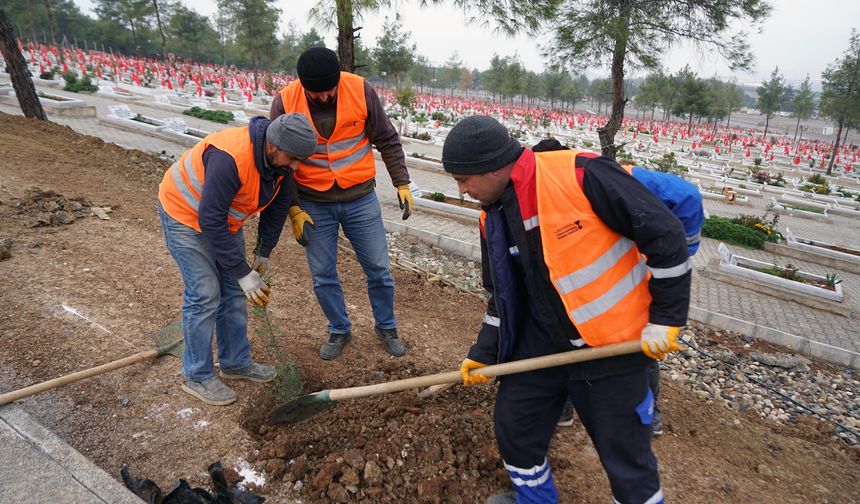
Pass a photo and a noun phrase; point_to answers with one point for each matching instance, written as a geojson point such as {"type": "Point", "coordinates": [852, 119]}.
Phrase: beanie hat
{"type": "Point", "coordinates": [479, 144]}
{"type": "Point", "coordinates": [549, 144]}
{"type": "Point", "coordinates": [318, 69]}
{"type": "Point", "coordinates": [293, 134]}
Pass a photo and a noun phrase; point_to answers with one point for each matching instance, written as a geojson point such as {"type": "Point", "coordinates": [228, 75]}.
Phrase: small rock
{"type": "Point", "coordinates": [299, 469]}
{"type": "Point", "coordinates": [124, 401]}
{"type": "Point", "coordinates": [65, 217]}
{"type": "Point", "coordinates": [354, 457]}
{"type": "Point", "coordinates": [275, 467]}
{"type": "Point", "coordinates": [764, 470]}
{"type": "Point", "coordinates": [232, 476]}
{"type": "Point", "coordinates": [337, 493]}
{"type": "Point", "coordinates": [36, 362]}
{"type": "Point", "coordinates": [350, 477]}
{"type": "Point", "coordinates": [373, 473]}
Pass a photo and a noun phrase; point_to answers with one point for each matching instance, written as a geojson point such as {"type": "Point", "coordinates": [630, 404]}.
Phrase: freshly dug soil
{"type": "Point", "coordinates": [93, 290]}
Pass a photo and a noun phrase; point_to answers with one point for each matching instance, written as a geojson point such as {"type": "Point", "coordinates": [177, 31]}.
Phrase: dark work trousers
{"type": "Point", "coordinates": [654, 383]}
{"type": "Point", "coordinates": [616, 412]}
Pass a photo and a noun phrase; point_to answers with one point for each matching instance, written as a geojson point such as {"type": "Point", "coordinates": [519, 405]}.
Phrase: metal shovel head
{"type": "Point", "coordinates": [301, 408]}
{"type": "Point", "coordinates": [168, 339]}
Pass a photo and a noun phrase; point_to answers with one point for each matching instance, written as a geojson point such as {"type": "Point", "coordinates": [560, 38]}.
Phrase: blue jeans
{"type": "Point", "coordinates": [212, 300]}
{"type": "Point", "coordinates": [361, 220]}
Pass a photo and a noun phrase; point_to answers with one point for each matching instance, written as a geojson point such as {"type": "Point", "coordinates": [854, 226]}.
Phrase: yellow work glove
{"type": "Point", "coordinates": [255, 288]}
{"type": "Point", "coordinates": [404, 195]}
{"type": "Point", "coordinates": [261, 264]}
{"type": "Point", "coordinates": [472, 379]}
{"type": "Point", "coordinates": [659, 340]}
{"type": "Point", "coordinates": [299, 218]}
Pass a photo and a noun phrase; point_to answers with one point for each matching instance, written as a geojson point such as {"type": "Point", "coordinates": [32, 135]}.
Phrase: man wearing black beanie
{"type": "Point", "coordinates": [575, 253]}
{"type": "Point", "coordinates": [336, 190]}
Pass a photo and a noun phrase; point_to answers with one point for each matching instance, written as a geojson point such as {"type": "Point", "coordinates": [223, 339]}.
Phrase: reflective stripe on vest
{"type": "Point", "coordinates": [182, 185]}
{"type": "Point", "coordinates": [346, 157]}
{"type": "Point", "coordinates": [600, 275]}
{"type": "Point", "coordinates": [190, 197]}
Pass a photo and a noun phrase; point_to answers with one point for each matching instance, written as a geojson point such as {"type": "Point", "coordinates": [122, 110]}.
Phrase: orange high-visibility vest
{"type": "Point", "coordinates": [182, 185]}
{"type": "Point", "coordinates": [346, 157]}
{"type": "Point", "coordinates": [601, 276]}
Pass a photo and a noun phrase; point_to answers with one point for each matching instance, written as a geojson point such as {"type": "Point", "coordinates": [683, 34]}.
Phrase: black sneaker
{"type": "Point", "coordinates": [391, 341]}
{"type": "Point", "coordinates": [566, 418]}
{"type": "Point", "coordinates": [332, 348]}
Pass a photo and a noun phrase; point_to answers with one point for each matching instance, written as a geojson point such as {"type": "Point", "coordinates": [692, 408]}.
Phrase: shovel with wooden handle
{"type": "Point", "coordinates": [308, 405]}
{"type": "Point", "coordinates": [167, 340]}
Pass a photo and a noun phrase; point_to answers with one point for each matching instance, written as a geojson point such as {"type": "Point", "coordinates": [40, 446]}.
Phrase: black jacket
{"type": "Point", "coordinates": [536, 322]}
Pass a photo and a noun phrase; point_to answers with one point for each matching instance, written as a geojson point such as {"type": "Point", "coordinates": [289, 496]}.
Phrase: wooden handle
{"type": "Point", "coordinates": [546, 361]}
{"type": "Point", "coordinates": [80, 375]}
{"type": "Point", "coordinates": [435, 389]}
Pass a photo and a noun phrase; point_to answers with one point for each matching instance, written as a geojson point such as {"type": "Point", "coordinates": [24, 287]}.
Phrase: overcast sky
{"type": "Point", "coordinates": [800, 36]}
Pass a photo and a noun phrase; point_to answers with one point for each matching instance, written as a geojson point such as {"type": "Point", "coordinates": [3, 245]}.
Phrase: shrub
{"type": "Point", "coordinates": [219, 116]}
{"type": "Point", "coordinates": [47, 75]}
{"type": "Point", "coordinates": [789, 272]}
{"type": "Point", "coordinates": [757, 161]}
{"type": "Point", "coordinates": [76, 86]}
{"type": "Point", "coordinates": [437, 196]}
{"type": "Point", "coordinates": [439, 116]}
{"type": "Point", "coordinates": [762, 177]}
{"type": "Point", "coordinates": [668, 164]}
{"type": "Point", "coordinates": [817, 178]}
{"type": "Point", "coordinates": [722, 228]}
{"type": "Point", "coordinates": [588, 143]}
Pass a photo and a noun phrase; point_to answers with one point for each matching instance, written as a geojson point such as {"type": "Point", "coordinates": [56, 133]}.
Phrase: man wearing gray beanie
{"type": "Point", "coordinates": [575, 253]}
{"type": "Point", "coordinates": [337, 190]}
{"type": "Point", "coordinates": [203, 201]}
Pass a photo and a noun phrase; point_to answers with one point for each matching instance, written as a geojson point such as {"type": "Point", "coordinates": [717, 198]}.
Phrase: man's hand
{"type": "Point", "coordinates": [299, 218]}
{"type": "Point", "coordinates": [659, 340]}
{"type": "Point", "coordinates": [404, 195]}
{"type": "Point", "coordinates": [472, 379]}
{"type": "Point", "coordinates": [255, 288]}
{"type": "Point", "coordinates": [261, 264]}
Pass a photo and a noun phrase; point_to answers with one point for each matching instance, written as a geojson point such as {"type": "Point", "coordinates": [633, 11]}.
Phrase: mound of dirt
{"type": "Point", "coordinates": [92, 291]}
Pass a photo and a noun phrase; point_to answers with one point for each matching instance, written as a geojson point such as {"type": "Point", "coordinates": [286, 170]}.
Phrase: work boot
{"type": "Point", "coordinates": [332, 348]}
{"type": "Point", "coordinates": [566, 418]}
{"type": "Point", "coordinates": [261, 373]}
{"type": "Point", "coordinates": [210, 391]}
{"type": "Point", "coordinates": [504, 498]}
{"type": "Point", "coordinates": [391, 341]}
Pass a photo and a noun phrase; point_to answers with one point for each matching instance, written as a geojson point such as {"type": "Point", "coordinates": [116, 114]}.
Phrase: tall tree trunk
{"type": "Point", "coordinates": [160, 28]}
{"type": "Point", "coordinates": [17, 68]}
{"type": "Point", "coordinates": [51, 22]}
{"type": "Point", "coordinates": [796, 128]}
{"type": "Point", "coordinates": [836, 145]}
{"type": "Point", "coordinates": [729, 118]}
{"type": "Point", "coordinates": [766, 124]}
{"type": "Point", "coordinates": [345, 35]}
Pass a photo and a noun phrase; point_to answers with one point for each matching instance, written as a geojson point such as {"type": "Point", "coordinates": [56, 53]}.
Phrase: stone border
{"type": "Point", "coordinates": [446, 209]}
{"type": "Point", "coordinates": [813, 257]}
{"type": "Point", "coordinates": [738, 282]}
{"type": "Point", "coordinates": [446, 243]}
{"type": "Point", "coordinates": [801, 345]}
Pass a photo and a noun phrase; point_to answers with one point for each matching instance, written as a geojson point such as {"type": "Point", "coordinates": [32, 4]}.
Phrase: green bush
{"type": "Point", "coordinates": [817, 179]}
{"type": "Point", "coordinates": [219, 116]}
{"type": "Point", "coordinates": [47, 75]}
{"type": "Point", "coordinates": [439, 116]}
{"type": "Point", "coordinates": [588, 143]}
{"type": "Point", "coordinates": [76, 86]}
{"type": "Point", "coordinates": [437, 196]}
{"type": "Point", "coordinates": [757, 161]}
{"type": "Point", "coordinates": [724, 229]}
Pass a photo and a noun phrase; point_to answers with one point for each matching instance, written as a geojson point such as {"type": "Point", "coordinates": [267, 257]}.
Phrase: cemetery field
{"type": "Point", "coordinates": [80, 290]}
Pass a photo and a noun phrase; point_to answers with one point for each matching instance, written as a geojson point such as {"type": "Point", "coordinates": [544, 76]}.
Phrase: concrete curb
{"type": "Point", "coordinates": [801, 345]}
{"type": "Point", "coordinates": [448, 244]}
{"type": "Point", "coordinates": [40, 467]}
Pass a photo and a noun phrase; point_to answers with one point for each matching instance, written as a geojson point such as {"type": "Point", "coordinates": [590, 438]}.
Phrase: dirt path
{"type": "Point", "coordinates": [394, 448]}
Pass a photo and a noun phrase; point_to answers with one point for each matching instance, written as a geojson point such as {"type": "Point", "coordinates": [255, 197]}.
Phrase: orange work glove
{"type": "Point", "coordinates": [472, 379]}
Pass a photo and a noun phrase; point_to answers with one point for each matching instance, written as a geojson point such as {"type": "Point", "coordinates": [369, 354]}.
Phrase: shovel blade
{"type": "Point", "coordinates": [301, 408]}
{"type": "Point", "coordinates": [168, 339]}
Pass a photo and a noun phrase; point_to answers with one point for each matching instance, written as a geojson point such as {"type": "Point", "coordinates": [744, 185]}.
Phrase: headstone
{"type": "Point", "coordinates": [121, 111]}
{"type": "Point", "coordinates": [789, 236]}
{"type": "Point", "coordinates": [726, 257]}
{"type": "Point", "coordinates": [162, 99]}
{"type": "Point", "coordinates": [239, 115]}
{"type": "Point", "coordinates": [176, 124]}
{"type": "Point", "coordinates": [106, 89]}
{"type": "Point", "coordinates": [200, 103]}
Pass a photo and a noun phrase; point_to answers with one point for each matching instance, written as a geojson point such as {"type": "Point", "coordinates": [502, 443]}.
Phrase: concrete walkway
{"type": "Point", "coordinates": [38, 466]}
